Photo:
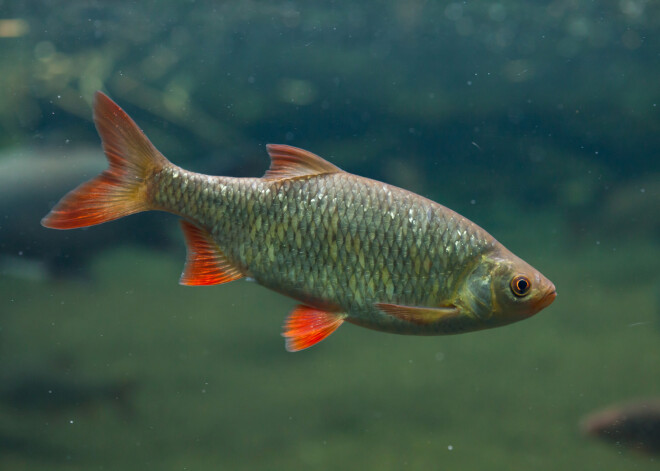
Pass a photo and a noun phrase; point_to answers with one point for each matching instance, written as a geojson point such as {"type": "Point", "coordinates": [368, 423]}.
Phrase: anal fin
{"type": "Point", "coordinates": [205, 262]}
{"type": "Point", "coordinates": [307, 326]}
{"type": "Point", "coordinates": [419, 315]}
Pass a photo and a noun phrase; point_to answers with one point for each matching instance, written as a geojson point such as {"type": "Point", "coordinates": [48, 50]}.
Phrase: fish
{"type": "Point", "coordinates": [634, 424]}
{"type": "Point", "coordinates": [348, 248]}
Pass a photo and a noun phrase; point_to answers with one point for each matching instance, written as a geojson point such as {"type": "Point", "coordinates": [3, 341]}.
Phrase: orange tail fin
{"type": "Point", "coordinates": [121, 189]}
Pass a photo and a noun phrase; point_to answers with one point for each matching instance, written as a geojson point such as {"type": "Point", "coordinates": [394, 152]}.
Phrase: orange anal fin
{"type": "Point", "coordinates": [205, 263]}
{"type": "Point", "coordinates": [419, 315]}
{"type": "Point", "coordinates": [307, 326]}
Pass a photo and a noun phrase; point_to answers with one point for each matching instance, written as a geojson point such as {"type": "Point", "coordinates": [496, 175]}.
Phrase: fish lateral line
{"type": "Point", "coordinates": [322, 234]}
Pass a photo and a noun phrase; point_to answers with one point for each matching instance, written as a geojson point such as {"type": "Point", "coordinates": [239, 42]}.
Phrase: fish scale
{"type": "Point", "coordinates": [349, 248]}
{"type": "Point", "coordinates": [255, 224]}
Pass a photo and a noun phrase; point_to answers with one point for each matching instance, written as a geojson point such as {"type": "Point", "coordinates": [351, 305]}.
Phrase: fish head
{"type": "Point", "coordinates": [502, 289]}
{"type": "Point", "coordinates": [608, 424]}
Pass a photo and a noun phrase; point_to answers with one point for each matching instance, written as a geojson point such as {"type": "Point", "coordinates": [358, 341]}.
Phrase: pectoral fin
{"type": "Point", "coordinates": [419, 315]}
{"type": "Point", "coordinates": [306, 326]}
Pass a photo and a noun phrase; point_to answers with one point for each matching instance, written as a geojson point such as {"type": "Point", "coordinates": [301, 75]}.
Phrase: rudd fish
{"type": "Point", "coordinates": [635, 425]}
{"type": "Point", "coordinates": [349, 248]}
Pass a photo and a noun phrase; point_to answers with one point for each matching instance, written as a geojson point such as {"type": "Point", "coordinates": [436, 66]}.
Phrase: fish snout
{"type": "Point", "coordinates": [547, 298]}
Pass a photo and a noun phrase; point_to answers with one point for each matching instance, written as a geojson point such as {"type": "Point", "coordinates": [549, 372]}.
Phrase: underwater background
{"type": "Point", "coordinates": [537, 120]}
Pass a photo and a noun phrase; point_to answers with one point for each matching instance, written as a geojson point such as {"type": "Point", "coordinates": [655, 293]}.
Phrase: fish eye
{"type": "Point", "coordinates": [520, 285]}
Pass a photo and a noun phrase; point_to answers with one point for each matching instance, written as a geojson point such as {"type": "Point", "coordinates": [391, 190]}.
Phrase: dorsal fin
{"type": "Point", "coordinates": [288, 162]}
{"type": "Point", "coordinates": [205, 263]}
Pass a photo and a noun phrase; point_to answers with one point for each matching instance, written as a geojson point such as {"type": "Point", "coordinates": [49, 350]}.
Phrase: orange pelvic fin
{"type": "Point", "coordinates": [419, 315]}
{"type": "Point", "coordinates": [307, 326]}
{"type": "Point", "coordinates": [205, 262]}
{"type": "Point", "coordinates": [121, 189]}
{"type": "Point", "coordinates": [290, 162]}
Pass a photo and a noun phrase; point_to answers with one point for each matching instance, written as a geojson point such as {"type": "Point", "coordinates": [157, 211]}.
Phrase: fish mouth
{"type": "Point", "coordinates": [546, 300]}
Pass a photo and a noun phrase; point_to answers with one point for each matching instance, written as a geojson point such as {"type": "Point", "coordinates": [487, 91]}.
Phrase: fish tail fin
{"type": "Point", "coordinates": [122, 188]}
